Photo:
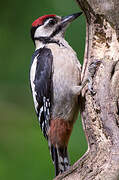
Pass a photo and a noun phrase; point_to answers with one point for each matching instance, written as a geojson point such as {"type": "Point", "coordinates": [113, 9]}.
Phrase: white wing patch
{"type": "Point", "coordinates": [32, 78]}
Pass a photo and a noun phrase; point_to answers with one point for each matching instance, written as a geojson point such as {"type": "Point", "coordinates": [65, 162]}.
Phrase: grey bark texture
{"type": "Point", "coordinates": [100, 111]}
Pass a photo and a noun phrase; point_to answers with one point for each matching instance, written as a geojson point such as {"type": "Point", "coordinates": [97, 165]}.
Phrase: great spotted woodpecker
{"type": "Point", "coordinates": [55, 78]}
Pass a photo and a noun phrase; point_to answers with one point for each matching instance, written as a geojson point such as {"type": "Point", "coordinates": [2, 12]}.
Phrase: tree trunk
{"type": "Point", "coordinates": [100, 111]}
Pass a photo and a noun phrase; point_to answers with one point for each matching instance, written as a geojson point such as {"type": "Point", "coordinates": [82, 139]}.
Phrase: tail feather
{"type": "Point", "coordinates": [60, 159]}
{"type": "Point", "coordinates": [54, 156]}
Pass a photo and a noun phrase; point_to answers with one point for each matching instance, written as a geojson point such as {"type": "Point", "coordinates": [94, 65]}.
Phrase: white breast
{"type": "Point", "coordinates": [66, 74]}
{"type": "Point", "coordinates": [66, 64]}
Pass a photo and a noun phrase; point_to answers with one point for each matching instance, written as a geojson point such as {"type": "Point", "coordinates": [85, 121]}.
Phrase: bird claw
{"type": "Point", "coordinates": [93, 67]}
{"type": "Point", "coordinates": [90, 88]}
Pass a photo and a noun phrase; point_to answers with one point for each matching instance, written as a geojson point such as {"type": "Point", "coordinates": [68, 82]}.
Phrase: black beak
{"type": "Point", "coordinates": [68, 19]}
{"type": "Point", "coordinates": [65, 21]}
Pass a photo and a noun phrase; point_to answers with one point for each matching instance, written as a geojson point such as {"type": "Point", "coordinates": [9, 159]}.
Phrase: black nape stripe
{"type": "Point", "coordinates": [32, 32]}
{"type": "Point", "coordinates": [47, 40]}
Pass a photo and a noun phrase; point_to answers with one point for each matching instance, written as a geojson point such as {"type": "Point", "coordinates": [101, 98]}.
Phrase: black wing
{"type": "Point", "coordinates": [43, 87]}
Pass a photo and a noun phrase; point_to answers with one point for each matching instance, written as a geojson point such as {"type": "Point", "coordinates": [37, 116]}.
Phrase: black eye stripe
{"type": "Point", "coordinates": [52, 20]}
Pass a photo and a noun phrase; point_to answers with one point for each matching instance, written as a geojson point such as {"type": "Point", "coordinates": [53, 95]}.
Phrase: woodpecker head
{"type": "Point", "coordinates": [51, 26]}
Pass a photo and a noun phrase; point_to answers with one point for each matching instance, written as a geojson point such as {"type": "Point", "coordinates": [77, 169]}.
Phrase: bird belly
{"type": "Point", "coordinates": [65, 103]}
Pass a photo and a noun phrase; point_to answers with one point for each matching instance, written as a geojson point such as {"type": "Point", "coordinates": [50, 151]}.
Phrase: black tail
{"type": "Point", "coordinates": [60, 159]}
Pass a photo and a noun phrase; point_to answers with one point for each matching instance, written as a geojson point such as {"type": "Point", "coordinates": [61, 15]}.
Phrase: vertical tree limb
{"type": "Point", "coordinates": [100, 112]}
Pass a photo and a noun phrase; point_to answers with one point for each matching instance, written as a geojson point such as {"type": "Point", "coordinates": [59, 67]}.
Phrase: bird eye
{"type": "Point", "coordinates": [52, 22]}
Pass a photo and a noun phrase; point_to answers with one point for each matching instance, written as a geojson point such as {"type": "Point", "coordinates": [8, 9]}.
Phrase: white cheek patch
{"type": "Point", "coordinates": [41, 31]}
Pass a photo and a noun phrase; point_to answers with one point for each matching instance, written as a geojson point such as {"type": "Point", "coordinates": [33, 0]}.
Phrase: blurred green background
{"type": "Point", "coordinates": [24, 152]}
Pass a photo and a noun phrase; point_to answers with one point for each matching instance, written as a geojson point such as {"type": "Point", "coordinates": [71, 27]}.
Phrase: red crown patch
{"type": "Point", "coordinates": [40, 20]}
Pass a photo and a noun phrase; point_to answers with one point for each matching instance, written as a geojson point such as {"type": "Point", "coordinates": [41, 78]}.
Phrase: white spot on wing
{"type": "Point", "coordinates": [43, 125]}
{"type": "Point", "coordinates": [41, 110]}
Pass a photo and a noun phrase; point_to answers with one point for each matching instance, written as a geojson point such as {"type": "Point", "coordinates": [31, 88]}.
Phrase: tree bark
{"type": "Point", "coordinates": [100, 111]}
